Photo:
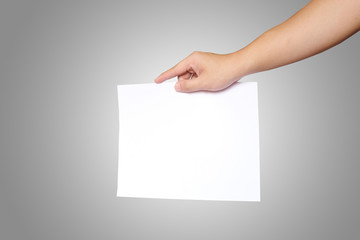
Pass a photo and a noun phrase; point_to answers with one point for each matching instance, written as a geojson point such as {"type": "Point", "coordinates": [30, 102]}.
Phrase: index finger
{"type": "Point", "coordinates": [177, 70]}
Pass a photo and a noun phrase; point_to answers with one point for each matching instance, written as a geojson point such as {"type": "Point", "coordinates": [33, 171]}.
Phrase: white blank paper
{"type": "Point", "coordinates": [199, 146]}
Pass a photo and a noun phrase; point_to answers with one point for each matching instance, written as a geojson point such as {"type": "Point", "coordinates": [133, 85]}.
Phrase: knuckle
{"type": "Point", "coordinates": [195, 53]}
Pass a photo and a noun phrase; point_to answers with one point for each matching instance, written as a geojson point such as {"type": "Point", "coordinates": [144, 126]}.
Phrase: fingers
{"type": "Point", "coordinates": [193, 85]}
{"type": "Point", "coordinates": [187, 76]}
{"type": "Point", "coordinates": [177, 70]}
{"type": "Point", "coordinates": [188, 72]}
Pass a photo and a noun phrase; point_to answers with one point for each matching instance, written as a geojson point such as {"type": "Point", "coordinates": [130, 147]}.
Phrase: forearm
{"type": "Point", "coordinates": [320, 25]}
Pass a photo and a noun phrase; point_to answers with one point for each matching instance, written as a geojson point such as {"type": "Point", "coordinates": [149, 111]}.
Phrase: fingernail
{"type": "Point", "coordinates": [177, 87]}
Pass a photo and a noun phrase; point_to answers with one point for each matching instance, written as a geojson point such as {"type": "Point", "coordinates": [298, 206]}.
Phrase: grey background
{"type": "Point", "coordinates": [60, 64]}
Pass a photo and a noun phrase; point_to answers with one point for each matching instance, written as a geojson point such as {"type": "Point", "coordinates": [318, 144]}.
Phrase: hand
{"type": "Point", "coordinates": [320, 25]}
{"type": "Point", "coordinates": [210, 72]}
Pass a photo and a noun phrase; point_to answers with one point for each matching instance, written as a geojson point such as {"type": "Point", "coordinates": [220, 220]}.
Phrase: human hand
{"type": "Point", "coordinates": [202, 71]}
{"type": "Point", "coordinates": [286, 43]}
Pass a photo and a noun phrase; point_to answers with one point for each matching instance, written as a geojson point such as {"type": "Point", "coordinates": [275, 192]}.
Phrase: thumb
{"type": "Point", "coordinates": [191, 85]}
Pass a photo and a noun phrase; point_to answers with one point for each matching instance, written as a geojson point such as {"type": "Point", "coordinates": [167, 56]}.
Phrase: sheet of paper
{"type": "Point", "coordinates": [198, 146]}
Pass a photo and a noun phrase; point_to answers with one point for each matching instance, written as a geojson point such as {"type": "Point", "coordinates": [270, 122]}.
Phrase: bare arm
{"type": "Point", "coordinates": [320, 25]}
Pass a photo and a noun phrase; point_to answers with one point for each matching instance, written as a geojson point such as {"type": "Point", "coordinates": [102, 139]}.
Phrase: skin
{"type": "Point", "coordinates": [320, 25]}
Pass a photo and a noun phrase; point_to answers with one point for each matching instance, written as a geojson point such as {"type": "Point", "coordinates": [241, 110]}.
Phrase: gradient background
{"type": "Point", "coordinates": [60, 62]}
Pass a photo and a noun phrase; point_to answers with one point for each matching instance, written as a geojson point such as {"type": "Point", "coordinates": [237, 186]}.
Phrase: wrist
{"type": "Point", "coordinates": [242, 64]}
